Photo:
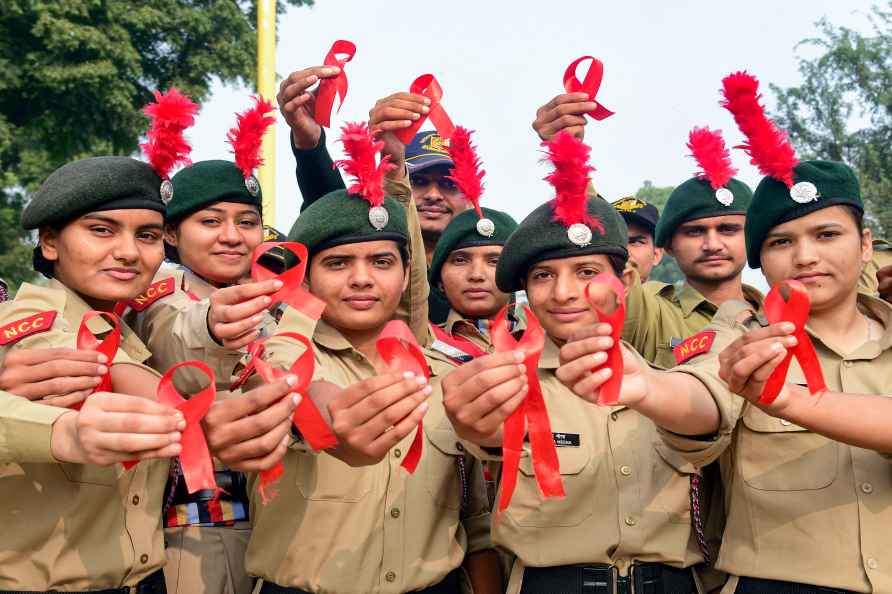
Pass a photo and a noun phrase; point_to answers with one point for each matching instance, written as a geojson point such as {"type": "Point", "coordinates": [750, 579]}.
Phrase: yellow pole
{"type": "Point", "coordinates": [266, 86]}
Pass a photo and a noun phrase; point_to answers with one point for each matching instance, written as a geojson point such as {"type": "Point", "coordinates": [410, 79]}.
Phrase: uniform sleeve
{"type": "Point", "coordinates": [644, 310]}
{"type": "Point", "coordinates": [688, 454]}
{"type": "Point", "coordinates": [882, 257]}
{"type": "Point", "coordinates": [26, 429]}
{"type": "Point", "coordinates": [315, 172]}
{"type": "Point", "coordinates": [476, 516]}
{"type": "Point", "coordinates": [413, 308]}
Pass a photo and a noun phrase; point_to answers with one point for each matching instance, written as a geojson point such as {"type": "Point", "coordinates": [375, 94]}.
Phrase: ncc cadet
{"type": "Point", "coordinates": [807, 480]}
{"type": "Point", "coordinates": [625, 518]}
{"type": "Point", "coordinates": [350, 519]}
{"type": "Point", "coordinates": [641, 218]}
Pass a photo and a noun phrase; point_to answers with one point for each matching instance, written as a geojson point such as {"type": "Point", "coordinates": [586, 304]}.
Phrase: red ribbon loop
{"type": "Point", "coordinates": [291, 292]}
{"type": "Point", "coordinates": [794, 310]}
{"type": "Point", "coordinates": [397, 346]}
{"type": "Point", "coordinates": [195, 458]}
{"type": "Point", "coordinates": [429, 86]}
{"type": "Point", "coordinates": [87, 341]}
{"type": "Point", "coordinates": [589, 85]}
{"type": "Point", "coordinates": [609, 392]}
{"type": "Point", "coordinates": [329, 87]}
{"type": "Point", "coordinates": [531, 413]}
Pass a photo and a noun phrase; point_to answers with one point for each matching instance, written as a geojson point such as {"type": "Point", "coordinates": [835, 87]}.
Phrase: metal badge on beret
{"type": "Point", "coordinates": [725, 196]}
{"type": "Point", "coordinates": [579, 234]}
{"type": "Point", "coordinates": [486, 227]}
{"type": "Point", "coordinates": [378, 217]}
{"type": "Point", "coordinates": [166, 191]}
{"type": "Point", "coordinates": [804, 192]}
{"type": "Point", "coordinates": [252, 185]}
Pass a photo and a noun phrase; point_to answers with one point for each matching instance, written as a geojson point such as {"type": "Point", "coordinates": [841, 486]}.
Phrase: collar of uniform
{"type": "Point", "coordinates": [753, 296]}
{"type": "Point", "coordinates": [690, 299]}
{"type": "Point", "coordinates": [879, 310]}
{"type": "Point", "coordinates": [457, 325]}
{"type": "Point", "coordinates": [329, 337]}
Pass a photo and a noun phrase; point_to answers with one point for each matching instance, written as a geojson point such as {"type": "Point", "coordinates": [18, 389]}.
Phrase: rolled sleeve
{"type": "Point", "coordinates": [26, 430]}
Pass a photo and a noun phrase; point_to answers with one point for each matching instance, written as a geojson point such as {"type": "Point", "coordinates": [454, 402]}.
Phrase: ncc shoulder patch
{"type": "Point", "coordinates": [15, 331]}
{"type": "Point", "coordinates": [693, 345]}
{"type": "Point", "coordinates": [156, 291]}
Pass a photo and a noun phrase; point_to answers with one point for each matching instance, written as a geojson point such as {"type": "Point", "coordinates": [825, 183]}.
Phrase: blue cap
{"type": "Point", "coordinates": [426, 150]}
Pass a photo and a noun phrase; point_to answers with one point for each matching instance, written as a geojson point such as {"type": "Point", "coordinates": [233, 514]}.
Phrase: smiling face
{"type": "Point", "coordinates": [468, 277]}
{"type": "Point", "coordinates": [217, 242]}
{"type": "Point", "coordinates": [106, 256]}
{"type": "Point", "coordinates": [824, 250]}
{"type": "Point", "coordinates": [437, 199]}
{"type": "Point", "coordinates": [360, 283]}
{"type": "Point", "coordinates": [710, 250]}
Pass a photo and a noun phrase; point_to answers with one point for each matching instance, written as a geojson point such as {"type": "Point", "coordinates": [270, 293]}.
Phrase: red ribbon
{"type": "Point", "coordinates": [397, 346]}
{"type": "Point", "coordinates": [531, 412]}
{"type": "Point", "coordinates": [609, 392]}
{"type": "Point", "coordinates": [87, 341]}
{"type": "Point", "coordinates": [428, 86]}
{"type": "Point", "coordinates": [329, 87]}
{"type": "Point", "coordinates": [291, 292]}
{"type": "Point", "coordinates": [794, 310]}
{"type": "Point", "coordinates": [195, 458]}
{"type": "Point", "coordinates": [589, 85]}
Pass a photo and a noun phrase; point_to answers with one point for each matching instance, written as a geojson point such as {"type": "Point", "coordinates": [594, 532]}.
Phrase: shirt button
{"type": "Point", "coordinates": [613, 416]}
{"type": "Point", "coordinates": [459, 446]}
{"type": "Point", "coordinates": [135, 500]}
{"type": "Point", "coordinates": [395, 512]}
{"type": "Point", "coordinates": [390, 576]}
{"type": "Point", "coordinates": [397, 452]}
{"type": "Point", "coordinates": [867, 488]}
{"type": "Point", "coordinates": [144, 559]}
{"type": "Point", "coordinates": [631, 521]}
{"type": "Point", "coordinates": [847, 363]}
{"type": "Point", "coordinates": [872, 563]}
{"type": "Point", "coordinates": [625, 470]}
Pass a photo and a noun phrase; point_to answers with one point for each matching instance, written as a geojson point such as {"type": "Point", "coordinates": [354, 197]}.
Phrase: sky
{"type": "Point", "coordinates": [499, 61]}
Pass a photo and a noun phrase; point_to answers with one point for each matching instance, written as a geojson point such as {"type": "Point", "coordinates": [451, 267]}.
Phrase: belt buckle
{"type": "Point", "coordinates": [624, 584]}
{"type": "Point", "coordinates": [599, 580]}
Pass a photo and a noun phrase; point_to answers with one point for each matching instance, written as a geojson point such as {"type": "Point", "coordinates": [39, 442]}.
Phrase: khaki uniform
{"type": "Point", "coordinates": [334, 529]}
{"type": "Point", "coordinates": [882, 257]}
{"type": "Point", "coordinates": [70, 527]}
{"type": "Point", "coordinates": [801, 507]}
{"type": "Point", "coordinates": [624, 503]}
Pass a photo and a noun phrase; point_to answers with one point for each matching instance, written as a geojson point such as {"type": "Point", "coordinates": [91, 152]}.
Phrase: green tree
{"type": "Point", "coordinates": [843, 109]}
{"type": "Point", "coordinates": [667, 271]}
{"type": "Point", "coordinates": [74, 75]}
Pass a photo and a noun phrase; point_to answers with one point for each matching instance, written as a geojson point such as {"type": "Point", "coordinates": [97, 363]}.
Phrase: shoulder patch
{"type": "Point", "coordinates": [694, 345]}
{"type": "Point", "coordinates": [156, 291]}
{"type": "Point", "coordinates": [15, 331]}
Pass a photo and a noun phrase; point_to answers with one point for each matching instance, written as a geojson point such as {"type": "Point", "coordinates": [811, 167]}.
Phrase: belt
{"type": "Point", "coordinates": [644, 578]}
{"type": "Point", "coordinates": [451, 584]}
{"type": "Point", "coordinates": [153, 584]}
{"type": "Point", "coordinates": [748, 585]}
{"type": "Point", "coordinates": [233, 487]}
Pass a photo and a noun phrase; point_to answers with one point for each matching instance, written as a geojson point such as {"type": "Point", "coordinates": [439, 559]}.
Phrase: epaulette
{"type": "Point", "coordinates": [15, 331]}
{"type": "Point", "coordinates": [156, 291]}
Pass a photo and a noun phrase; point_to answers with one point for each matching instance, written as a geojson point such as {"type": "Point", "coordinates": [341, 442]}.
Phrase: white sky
{"type": "Point", "coordinates": [498, 61]}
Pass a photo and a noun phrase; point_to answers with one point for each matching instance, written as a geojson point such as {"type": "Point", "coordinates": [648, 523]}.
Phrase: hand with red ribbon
{"type": "Point", "coordinates": [341, 52]}
{"type": "Point", "coordinates": [108, 346]}
{"type": "Point", "coordinates": [429, 87]}
{"type": "Point", "coordinates": [610, 389]}
{"type": "Point", "coordinates": [589, 85]}
{"type": "Point", "coordinates": [291, 293]}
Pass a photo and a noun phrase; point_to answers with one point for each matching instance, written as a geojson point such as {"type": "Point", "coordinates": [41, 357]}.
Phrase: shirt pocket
{"type": "Point", "coordinates": [441, 468]}
{"type": "Point", "coordinates": [776, 455]}
{"type": "Point", "coordinates": [85, 474]}
{"type": "Point", "coordinates": [577, 469]}
{"type": "Point", "coordinates": [321, 477]}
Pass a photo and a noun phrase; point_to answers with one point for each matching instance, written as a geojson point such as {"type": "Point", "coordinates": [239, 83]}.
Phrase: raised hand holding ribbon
{"type": "Point", "coordinates": [531, 414]}
{"type": "Point", "coordinates": [427, 85]}
{"type": "Point", "coordinates": [108, 346]}
{"type": "Point", "coordinates": [291, 293]}
{"type": "Point", "coordinates": [397, 346]}
{"type": "Point", "coordinates": [329, 87]}
{"type": "Point", "coordinates": [794, 309]}
{"type": "Point", "coordinates": [589, 85]}
{"type": "Point", "coordinates": [609, 391]}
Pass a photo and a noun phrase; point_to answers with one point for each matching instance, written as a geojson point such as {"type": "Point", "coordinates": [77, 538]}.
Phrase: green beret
{"type": "Point", "coordinates": [461, 232]}
{"type": "Point", "coordinates": [696, 199]}
{"type": "Point", "coordinates": [816, 185]}
{"type": "Point", "coordinates": [540, 237]}
{"type": "Point", "coordinates": [88, 185]}
{"type": "Point", "coordinates": [206, 182]}
{"type": "Point", "coordinates": [339, 218]}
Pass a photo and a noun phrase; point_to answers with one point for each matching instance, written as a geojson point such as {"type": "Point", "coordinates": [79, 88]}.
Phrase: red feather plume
{"type": "Point", "coordinates": [166, 147]}
{"type": "Point", "coordinates": [246, 137]}
{"type": "Point", "coordinates": [768, 147]}
{"type": "Point", "coordinates": [709, 150]}
{"type": "Point", "coordinates": [466, 173]}
{"type": "Point", "coordinates": [569, 156]}
{"type": "Point", "coordinates": [361, 162]}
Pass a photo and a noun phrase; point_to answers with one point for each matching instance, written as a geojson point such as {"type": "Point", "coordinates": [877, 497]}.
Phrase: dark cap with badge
{"type": "Point", "coordinates": [427, 149]}
{"type": "Point", "coordinates": [636, 211]}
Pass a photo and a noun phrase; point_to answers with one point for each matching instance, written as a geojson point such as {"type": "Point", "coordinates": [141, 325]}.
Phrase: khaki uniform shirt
{"type": "Point", "coordinates": [882, 257]}
{"type": "Point", "coordinates": [623, 501]}
{"type": "Point", "coordinates": [334, 529]}
{"type": "Point", "coordinates": [71, 527]}
{"type": "Point", "coordinates": [800, 507]}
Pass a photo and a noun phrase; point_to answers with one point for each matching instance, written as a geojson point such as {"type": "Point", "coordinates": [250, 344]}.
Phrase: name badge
{"type": "Point", "coordinates": [566, 440]}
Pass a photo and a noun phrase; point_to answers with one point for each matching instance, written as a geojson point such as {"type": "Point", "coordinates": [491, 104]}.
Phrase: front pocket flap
{"type": "Point", "coordinates": [571, 459]}
{"type": "Point", "coordinates": [445, 440]}
{"type": "Point", "coordinates": [760, 422]}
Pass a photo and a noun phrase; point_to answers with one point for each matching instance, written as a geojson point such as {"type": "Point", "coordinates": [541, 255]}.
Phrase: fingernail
{"type": "Point", "coordinates": [788, 327]}
{"type": "Point", "coordinates": [267, 300]}
{"type": "Point", "coordinates": [427, 390]}
{"type": "Point", "coordinates": [522, 368]}
{"type": "Point", "coordinates": [290, 379]}
{"type": "Point", "coordinates": [421, 380]}
{"type": "Point", "coordinates": [295, 399]}
{"type": "Point", "coordinates": [331, 70]}
{"type": "Point", "coordinates": [285, 440]}
{"type": "Point", "coordinates": [777, 347]}
{"type": "Point", "coordinates": [278, 284]}
{"type": "Point", "coordinates": [97, 381]}
{"type": "Point", "coordinates": [312, 78]}
{"type": "Point", "coordinates": [257, 319]}
{"type": "Point", "coordinates": [423, 407]}
{"type": "Point", "coordinates": [102, 370]}
{"type": "Point", "coordinates": [102, 358]}
{"type": "Point", "coordinates": [175, 436]}
{"type": "Point", "coordinates": [425, 109]}
{"type": "Point", "coordinates": [427, 101]}
{"type": "Point", "coordinates": [408, 375]}
{"type": "Point", "coordinates": [518, 356]}
{"type": "Point", "coordinates": [415, 116]}
{"type": "Point", "coordinates": [181, 425]}
{"type": "Point", "coordinates": [606, 372]}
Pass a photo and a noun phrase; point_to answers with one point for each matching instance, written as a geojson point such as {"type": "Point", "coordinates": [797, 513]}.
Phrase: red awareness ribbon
{"type": "Point", "coordinates": [589, 85]}
{"type": "Point", "coordinates": [108, 346]}
{"type": "Point", "coordinates": [195, 458]}
{"type": "Point", "coordinates": [291, 292]}
{"type": "Point", "coordinates": [794, 310]}
{"type": "Point", "coordinates": [397, 346]}
{"type": "Point", "coordinates": [609, 392]}
{"type": "Point", "coordinates": [428, 86]}
{"type": "Point", "coordinates": [329, 87]}
{"type": "Point", "coordinates": [531, 412]}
